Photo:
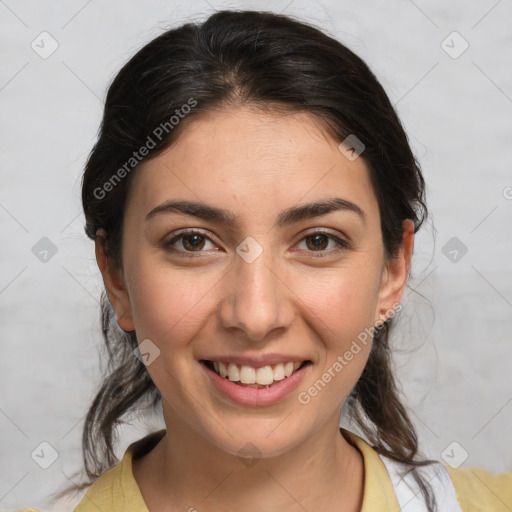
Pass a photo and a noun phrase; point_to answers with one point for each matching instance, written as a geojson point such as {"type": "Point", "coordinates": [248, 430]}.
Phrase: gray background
{"type": "Point", "coordinates": [454, 338]}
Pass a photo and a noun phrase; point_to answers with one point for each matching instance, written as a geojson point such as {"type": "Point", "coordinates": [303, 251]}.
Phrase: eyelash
{"type": "Point", "coordinates": [342, 244]}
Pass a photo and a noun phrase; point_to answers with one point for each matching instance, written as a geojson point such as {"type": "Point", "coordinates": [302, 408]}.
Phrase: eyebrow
{"type": "Point", "coordinates": [286, 217]}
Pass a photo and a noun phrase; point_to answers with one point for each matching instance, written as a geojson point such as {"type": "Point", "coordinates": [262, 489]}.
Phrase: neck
{"type": "Point", "coordinates": [325, 472]}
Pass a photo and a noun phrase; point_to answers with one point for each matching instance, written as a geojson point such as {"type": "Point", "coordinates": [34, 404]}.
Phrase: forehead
{"type": "Point", "coordinates": [264, 161]}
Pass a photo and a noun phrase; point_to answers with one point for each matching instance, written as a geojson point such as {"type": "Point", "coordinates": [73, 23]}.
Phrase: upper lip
{"type": "Point", "coordinates": [256, 361]}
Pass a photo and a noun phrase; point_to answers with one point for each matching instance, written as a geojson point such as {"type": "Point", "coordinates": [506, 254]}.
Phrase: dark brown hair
{"type": "Point", "coordinates": [271, 62]}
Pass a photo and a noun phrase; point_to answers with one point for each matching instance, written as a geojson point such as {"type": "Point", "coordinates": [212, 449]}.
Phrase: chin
{"type": "Point", "coordinates": [258, 439]}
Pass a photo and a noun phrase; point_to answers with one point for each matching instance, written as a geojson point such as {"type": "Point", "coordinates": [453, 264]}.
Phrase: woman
{"type": "Point", "coordinates": [253, 200]}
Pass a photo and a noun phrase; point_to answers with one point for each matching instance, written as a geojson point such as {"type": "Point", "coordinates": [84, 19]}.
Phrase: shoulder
{"type": "Point", "coordinates": [116, 489]}
{"type": "Point", "coordinates": [475, 489]}
{"type": "Point", "coordinates": [478, 490]}
{"type": "Point", "coordinates": [101, 493]}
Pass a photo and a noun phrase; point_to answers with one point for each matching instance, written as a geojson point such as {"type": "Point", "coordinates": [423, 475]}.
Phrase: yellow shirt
{"type": "Point", "coordinates": [477, 490]}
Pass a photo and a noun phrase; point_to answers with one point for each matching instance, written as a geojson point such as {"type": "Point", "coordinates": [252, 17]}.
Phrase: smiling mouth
{"type": "Point", "coordinates": [250, 377]}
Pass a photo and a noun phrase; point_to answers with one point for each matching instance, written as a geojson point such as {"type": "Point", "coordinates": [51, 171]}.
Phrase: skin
{"type": "Point", "coordinates": [286, 301]}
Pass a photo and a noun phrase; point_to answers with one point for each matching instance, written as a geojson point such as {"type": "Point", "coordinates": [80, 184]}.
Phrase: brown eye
{"type": "Point", "coordinates": [318, 242]}
{"type": "Point", "coordinates": [193, 242]}
{"type": "Point", "coordinates": [188, 242]}
{"type": "Point", "coordinates": [324, 243]}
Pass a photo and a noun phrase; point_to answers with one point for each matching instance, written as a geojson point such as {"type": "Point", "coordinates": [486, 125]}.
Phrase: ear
{"type": "Point", "coordinates": [114, 284]}
{"type": "Point", "coordinates": [394, 275]}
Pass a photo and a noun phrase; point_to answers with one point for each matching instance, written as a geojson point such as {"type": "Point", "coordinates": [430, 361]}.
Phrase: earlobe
{"type": "Point", "coordinates": [114, 284]}
{"type": "Point", "coordinates": [395, 274]}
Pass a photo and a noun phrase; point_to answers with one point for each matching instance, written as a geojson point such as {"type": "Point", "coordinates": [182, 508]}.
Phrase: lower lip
{"type": "Point", "coordinates": [257, 396]}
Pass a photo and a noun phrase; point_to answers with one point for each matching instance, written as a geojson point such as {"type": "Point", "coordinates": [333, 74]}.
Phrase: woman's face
{"type": "Point", "coordinates": [274, 255]}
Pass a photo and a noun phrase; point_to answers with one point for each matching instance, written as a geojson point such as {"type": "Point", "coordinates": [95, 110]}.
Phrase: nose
{"type": "Point", "coordinates": [257, 299]}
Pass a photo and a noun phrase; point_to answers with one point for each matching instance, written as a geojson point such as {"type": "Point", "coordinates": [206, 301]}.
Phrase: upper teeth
{"type": "Point", "coordinates": [249, 375]}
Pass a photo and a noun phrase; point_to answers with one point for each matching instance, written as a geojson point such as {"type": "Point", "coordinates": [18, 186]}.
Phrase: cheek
{"type": "Point", "coordinates": [169, 304]}
{"type": "Point", "coordinates": [341, 313]}
{"type": "Point", "coordinates": [344, 301]}
{"type": "Point", "coordinates": [343, 310]}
